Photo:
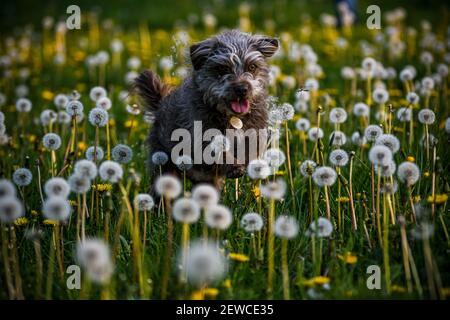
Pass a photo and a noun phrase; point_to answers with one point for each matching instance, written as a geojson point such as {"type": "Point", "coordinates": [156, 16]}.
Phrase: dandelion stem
{"type": "Point", "coordinates": [285, 269]}
{"type": "Point", "coordinates": [270, 248]}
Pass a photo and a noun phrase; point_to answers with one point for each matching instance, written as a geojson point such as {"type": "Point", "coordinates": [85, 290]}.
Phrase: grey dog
{"type": "Point", "coordinates": [229, 79]}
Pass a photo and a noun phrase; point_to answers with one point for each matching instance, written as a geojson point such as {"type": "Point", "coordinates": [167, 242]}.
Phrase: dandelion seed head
{"type": "Point", "coordinates": [338, 115]}
{"type": "Point", "coordinates": [412, 98]}
{"type": "Point", "coordinates": [205, 195]}
{"type": "Point", "coordinates": [7, 188]}
{"type": "Point", "coordinates": [426, 116]}
{"type": "Point", "coordinates": [407, 74]}
{"type": "Point", "coordinates": [184, 163]}
{"type": "Point", "coordinates": [10, 209]}
{"type": "Point", "coordinates": [274, 157]}
{"type": "Point", "coordinates": [186, 210]}
{"type": "Point", "coordinates": [386, 170]}
{"type": "Point", "coordinates": [423, 231]}
{"type": "Point", "coordinates": [23, 105]}
{"type": "Point", "coordinates": [168, 186]}
{"type": "Point", "coordinates": [111, 171]}
{"type": "Point", "coordinates": [218, 217]}
{"type": "Point", "coordinates": [360, 109]}
{"type": "Point", "coordinates": [372, 132]}
{"type": "Point", "coordinates": [404, 114]}
{"type": "Point", "coordinates": [22, 177]}
{"type": "Point", "coordinates": [302, 124]}
{"type": "Point", "coordinates": [389, 187]}
{"type": "Point", "coordinates": [274, 189]}
{"type": "Point", "coordinates": [258, 169]}
{"type": "Point", "coordinates": [95, 257]}
{"type": "Point", "coordinates": [426, 58]}
{"type": "Point", "coordinates": [338, 138]}
{"type": "Point", "coordinates": [96, 93]}
{"type": "Point", "coordinates": [220, 144]}
{"type": "Point", "coordinates": [74, 108]}
{"type": "Point", "coordinates": [79, 184]}
{"type": "Point", "coordinates": [57, 187]}
{"type": "Point", "coordinates": [252, 222]}
{"type": "Point", "coordinates": [63, 117]}
{"type": "Point", "coordinates": [85, 168]}
{"type": "Point", "coordinates": [204, 264]}
{"type": "Point", "coordinates": [56, 208]}
{"type": "Point", "coordinates": [380, 96]}
{"type": "Point", "coordinates": [315, 133]}
{"type": "Point", "coordinates": [358, 139]}
{"type": "Point", "coordinates": [286, 227]}
{"type": "Point", "coordinates": [408, 173]}
{"type": "Point", "coordinates": [369, 64]}
{"type": "Point", "coordinates": [427, 84]}
{"type": "Point", "coordinates": [160, 158]}
{"type": "Point", "coordinates": [447, 125]}
{"type": "Point", "coordinates": [307, 168]}
{"type": "Point", "coordinates": [324, 176]}
{"type": "Point", "coordinates": [380, 155]}
{"type": "Point", "coordinates": [144, 202]}
{"type": "Point", "coordinates": [287, 111]}
{"type": "Point", "coordinates": [390, 141]}
{"type": "Point", "coordinates": [51, 141]}
{"type": "Point", "coordinates": [61, 101]}
{"type": "Point", "coordinates": [104, 103]}
{"type": "Point", "coordinates": [48, 116]}
{"type": "Point", "coordinates": [122, 153]}
{"type": "Point", "coordinates": [321, 228]}
{"type": "Point", "coordinates": [97, 151]}
{"type": "Point", "coordinates": [98, 117]}
{"type": "Point", "coordinates": [339, 158]}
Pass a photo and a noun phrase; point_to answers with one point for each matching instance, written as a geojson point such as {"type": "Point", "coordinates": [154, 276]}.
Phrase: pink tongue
{"type": "Point", "coordinates": [240, 106]}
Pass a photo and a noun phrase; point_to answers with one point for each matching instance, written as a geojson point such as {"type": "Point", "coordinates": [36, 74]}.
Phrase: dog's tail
{"type": "Point", "coordinates": [150, 89]}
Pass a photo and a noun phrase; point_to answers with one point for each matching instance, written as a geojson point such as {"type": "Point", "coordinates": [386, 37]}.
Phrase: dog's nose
{"type": "Point", "coordinates": [241, 89]}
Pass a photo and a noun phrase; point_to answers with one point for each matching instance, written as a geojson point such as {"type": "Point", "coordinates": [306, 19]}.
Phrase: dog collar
{"type": "Point", "coordinates": [236, 122]}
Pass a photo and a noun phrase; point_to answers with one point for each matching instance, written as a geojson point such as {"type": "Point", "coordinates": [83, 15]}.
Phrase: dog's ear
{"type": "Point", "coordinates": [200, 51]}
{"type": "Point", "coordinates": [267, 46]}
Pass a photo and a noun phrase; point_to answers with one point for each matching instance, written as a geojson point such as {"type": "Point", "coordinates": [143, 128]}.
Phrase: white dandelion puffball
{"type": "Point", "coordinates": [144, 202]}
{"type": "Point", "coordinates": [23, 105]}
{"type": "Point", "coordinates": [218, 217]}
{"type": "Point", "coordinates": [57, 187]}
{"type": "Point", "coordinates": [104, 103]}
{"type": "Point", "coordinates": [404, 114]}
{"type": "Point", "coordinates": [10, 209]}
{"type": "Point", "coordinates": [274, 189]}
{"type": "Point", "coordinates": [134, 63]}
{"type": "Point", "coordinates": [372, 132]}
{"type": "Point", "coordinates": [302, 124]}
{"type": "Point", "coordinates": [369, 64]}
{"type": "Point", "coordinates": [56, 208]}
{"type": "Point", "coordinates": [98, 117]}
{"type": "Point", "coordinates": [48, 116]}
{"type": "Point", "coordinates": [338, 115]}
{"type": "Point", "coordinates": [361, 109]}
{"type": "Point", "coordinates": [358, 139]}
{"type": "Point", "coordinates": [205, 195]}
{"type": "Point", "coordinates": [79, 184]}
{"type": "Point", "coordinates": [338, 138]}
{"type": "Point", "coordinates": [380, 96]}
{"type": "Point", "coordinates": [96, 93]}
{"type": "Point", "coordinates": [122, 153]}
{"type": "Point", "coordinates": [287, 111]}
{"type": "Point", "coordinates": [321, 228]}
{"type": "Point", "coordinates": [426, 116]}
{"type": "Point", "coordinates": [312, 84]}
{"type": "Point", "coordinates": [380, 155]}
{"type": "Point", "coordinates": [407, 74]}
{"type": "Point", "coordinates": [447, 125]}
{"type": "Point", "coordinates": [22, 177]}
{"type": "Point", "coordinates": [51, 141]}
{"type": "Point", "coordinates": [168, 186]}
{"type": "Point", "coordinates": [7, 188]}
{"type": "Point", "coordinates": [389, 187]}
{"type": "Point", "coordinates": [186, 210]}
{"type": "Point", "coordinates": [97, 151]}
{"type": "Point", "coordinates": [63, 117]}
{"type": "Point", "coordinates": [258, 169]}
{"type": "Point", "coordinates": [307, 168]}
{"type": "Point", "coordinates": [111, 171]}
{"type": "Point", "coordinates": [408, 173]}
{"type": "Point", "coordinates": [252, 222]}
{"type": "Point", "coordinates": [274, 157]}
{"type": "Point", "coordinates": [390, 141]}
{"type": "Point", "coordinates": [315, 133]}
{"type": "Point", "coordinates": [339, 158]}
{"type": "Point", "coordinates": [2, 117]}
{"type": "Point", "coordinates": [286, 227]}
{"type": "Point", "coordinates": [412, 98]}
{"type": "Point", "coordinates": [220, 144]}
{"type": "Point", "coordinates": [324, 176]}
{"type": "Point", "coordinates": [85, 168]}
{"type": "Point", "coordinates": [159, 158]}
{"type": "Point", "coordinates": [184, 163]}
{"type": "Point", "coordinates": [61, 101]}
{"type": "Point", "coordinates": [386, 170]}
{"type": "Point", "coordinates": [74, 108]}
{"type": "Point", "coordinates": [95, 257]}
{"type": "Point", "coordinates": [204, 264]}
{"type": "Point", "coordinates": [427, 84]}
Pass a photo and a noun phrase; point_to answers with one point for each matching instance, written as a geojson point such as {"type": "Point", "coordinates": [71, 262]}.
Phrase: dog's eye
{"type": "Point", "coordinates": [252, 67]}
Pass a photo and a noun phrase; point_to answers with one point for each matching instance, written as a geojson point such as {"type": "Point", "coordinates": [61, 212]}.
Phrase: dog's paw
{"type": "Point", "coordinates": [235, 171]}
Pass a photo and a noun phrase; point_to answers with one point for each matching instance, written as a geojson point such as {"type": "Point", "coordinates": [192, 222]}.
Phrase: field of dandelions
{"type": "Point", "coordinates": [356, 174]}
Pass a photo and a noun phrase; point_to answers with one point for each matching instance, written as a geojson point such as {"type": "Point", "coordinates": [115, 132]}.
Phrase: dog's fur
{"type": "Point", "coordinates": [228, 67]}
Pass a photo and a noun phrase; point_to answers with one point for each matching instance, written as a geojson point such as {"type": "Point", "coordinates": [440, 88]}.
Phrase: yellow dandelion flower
{"type": "Point", "coordinates": [49, 222]}
{"type": "Point", "coordinates": [343, 199]}
{"type": "Point", "coordinates": [256, 192]}
{"type": "Point", "coordinates": [426, 174]}
{"type": "Point", "coordinates": [32, 138]}
{"type": "Point", "coordinates": [130, 123]}
{"type": "Point", "coordinates": [410, 159]}
{"type": "Point", "coordinates": [227, 283]}
{"type": "Point", "coordinates": [417, 198]}
{"type": "Point", "coordinates": [47, 95]}
{"type": "Point", "coordinates": [320, 280]}
{"type": "Point", "coordinates": [73, 203]}
{"type": "Point", "coordinates": [437, 199]}
{"type": "Point", "coordinates": [238, 257]}
{"type": "Point", "coordinates": [102, 187]}
{"type": "Point", "coordinates": [397, 288]}
{"type": "Point", "coordinates": [348, 258]}
{"type": "Point", "coordinates": [112, 122]}
{"type": "Point", "coordinates": [82, 146]}
{"type": "Point", "coordinates": [79, 56]}
{"type": "Point", "coordinates": [398, 129]}
{"type": "Point", "coordinates": [21, 221]}
{"type": "Point", "coordinates": [280, 173]}
{"type": "Point", "coordinates": [211, 292]}
{"type": "Point", "coordinates": [34, 213]}
{"type": "Point", "coordinates": [197, 295]}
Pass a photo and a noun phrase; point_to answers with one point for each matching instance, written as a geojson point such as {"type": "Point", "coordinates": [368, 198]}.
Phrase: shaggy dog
{"type": "Point", "coordinates": [227, 86]}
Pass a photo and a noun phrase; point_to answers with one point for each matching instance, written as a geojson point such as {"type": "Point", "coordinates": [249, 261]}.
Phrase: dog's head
{"type": "Point", "coordinates": [231, 71]}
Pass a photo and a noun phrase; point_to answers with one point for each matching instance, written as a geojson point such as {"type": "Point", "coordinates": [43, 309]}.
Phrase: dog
{"type": "Point", "coordinates": [228, 81]}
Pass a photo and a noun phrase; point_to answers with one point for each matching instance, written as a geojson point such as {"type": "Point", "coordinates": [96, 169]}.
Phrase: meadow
{"type": "Point", "coordinates": [349, 201]}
